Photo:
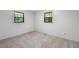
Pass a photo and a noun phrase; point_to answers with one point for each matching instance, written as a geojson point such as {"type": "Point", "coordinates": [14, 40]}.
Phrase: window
{"type": "Point", "coordinates": [18, 17]}
{"type": "Point", "coordinates": [48, 17]}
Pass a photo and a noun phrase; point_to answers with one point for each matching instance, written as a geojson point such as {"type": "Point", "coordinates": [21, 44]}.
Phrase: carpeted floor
{"type": "Point", "coordinates": [37, 40]}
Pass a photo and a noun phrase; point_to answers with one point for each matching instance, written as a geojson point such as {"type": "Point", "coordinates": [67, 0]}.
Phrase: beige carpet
{"type": "Point", "coordinates": [37, 40]}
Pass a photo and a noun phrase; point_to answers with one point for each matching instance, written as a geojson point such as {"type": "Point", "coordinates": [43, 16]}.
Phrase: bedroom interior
{"type": "Point", "coordinates": [39, 29]}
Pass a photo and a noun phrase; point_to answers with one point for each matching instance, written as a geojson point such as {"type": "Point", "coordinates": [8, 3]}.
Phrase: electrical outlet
{"type": "Point", "coordinates": [65, 33]}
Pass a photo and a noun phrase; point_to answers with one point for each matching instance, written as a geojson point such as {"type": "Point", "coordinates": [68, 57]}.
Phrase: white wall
{"type": "Point", "coordinates": [65, 24]}
{"type": "Point", "coordinates": [9, 29]}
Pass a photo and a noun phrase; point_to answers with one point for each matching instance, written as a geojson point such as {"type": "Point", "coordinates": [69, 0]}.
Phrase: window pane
{"type": "Point", "coordinates": [19, 17]}
{"type": "Point", "coordinates": [47, 15]}
{"type": "Point", "coordinates": [50, 15]}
